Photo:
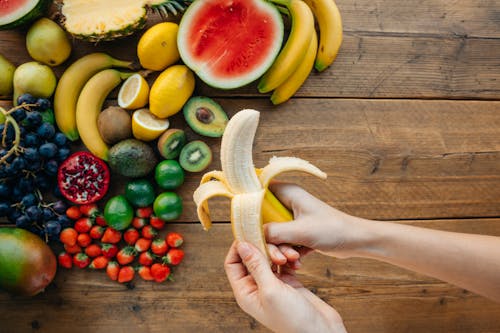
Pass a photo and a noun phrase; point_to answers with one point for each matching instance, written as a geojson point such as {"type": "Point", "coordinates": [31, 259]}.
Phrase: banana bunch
{"type": "Point", "coordinates": [301, 51]}
{"type": "Point", "coordinates": [79, 96]}
{"type": "Point", "coordinates": [252, 204]}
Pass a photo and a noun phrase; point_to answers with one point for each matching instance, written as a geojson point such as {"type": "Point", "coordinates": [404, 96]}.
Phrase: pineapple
{"type": "Point", "coordinates": [101, 20]}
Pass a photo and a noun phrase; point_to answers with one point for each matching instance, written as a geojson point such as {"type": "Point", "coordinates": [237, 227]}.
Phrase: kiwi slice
{"type": "Point", "coordinates": [205, 116]}
{"type": "Point", "coordinates": [195, 156]}
{"type": "Point", "coordinates": [171, 142]}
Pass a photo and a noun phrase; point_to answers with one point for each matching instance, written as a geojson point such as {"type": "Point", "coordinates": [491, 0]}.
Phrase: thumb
{"type": "Point", "coordinates": [256, 264]}
{"type": "Point", "coordinates": [280, 233]}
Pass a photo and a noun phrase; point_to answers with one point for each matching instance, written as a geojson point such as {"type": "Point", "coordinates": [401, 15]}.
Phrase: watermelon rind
{"type": "Point", "coordinates": [28, 13]}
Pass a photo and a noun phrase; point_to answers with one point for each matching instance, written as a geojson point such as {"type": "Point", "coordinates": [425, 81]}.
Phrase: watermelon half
{"type": "Point", "coordinates": [230, 43]}
{"type": "Point", "coordinates": [14, 13]}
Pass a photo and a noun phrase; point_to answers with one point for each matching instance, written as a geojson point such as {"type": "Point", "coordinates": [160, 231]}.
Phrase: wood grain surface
{"type": "Point", "coordinates": [406, 124]}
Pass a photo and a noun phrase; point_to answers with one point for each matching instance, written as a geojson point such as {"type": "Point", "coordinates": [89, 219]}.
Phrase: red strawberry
{"type": "Point", "coordinates": [149, 232]}
{"type": "Point", "coordinates": [142, 244]}
{"type": "Point", "coordinates": [126, 274]}
{"type": "Point", "coordinates": [174, 256]}
{"type": "Point", "coordinates": [111, 236]}
{"type": "Point", "coordinates": [83, 225]}
{"type": "Point", "coordinates": [139, 222]}
{"type": "Point", "coordinates": [112, 270]}
{"type": "Point", "coordinates": [65, 260]}
{"type": "Point", "coordinates": [89, 210]}
{"type": "Point", "coordinates": [96, 232]}
{"type": "Point", "coordinates": [145, 273]}
{"type": "Point", "coordinates": [159, 246]}
{"type": "Point", "coordinates": [109, 250]}
{"type": "Point", "coordinates": [126, 255]}
{"type": "Point", "coordinates": [144, 212]}
{"type": "Point", "coordinates": [68, 236]}
{"type": "Point", "coordinates": [156, 222]}
{"type": "Point", "coordinates": [174, 239]}
{"type": "Point", "coordinates": [160, 272]}
{"type": "Point", "coordinates": [72, 249]}
{"type": "Point", "coordinates": [130, 236]}
{"type": "Point", "coordinates": [99, 262]}
{"type": "Point", "coordinates": [93, 250]}
{"type": "Point", "coordinates": [83, 240]}
{"type": "Point", "coordinates": [99, 220]}
{"type": "Point", "coordinates": [146, 258]}
{"type": "Point", "coordinates": [81, 260]}
{"type": "Point", "coordinates": [73, 213]}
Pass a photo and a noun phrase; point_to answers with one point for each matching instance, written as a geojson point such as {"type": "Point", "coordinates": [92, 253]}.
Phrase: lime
{"type": "Point", "coordinates": [168, 206]}
{"type": "Point", "coordinates": [118, 213]}
{"type": "Point", "coordinates": [140, 192]}
{"type": "Point", "coordinates": [169, 174]}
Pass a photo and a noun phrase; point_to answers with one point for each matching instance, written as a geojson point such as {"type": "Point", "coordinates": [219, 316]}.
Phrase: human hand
{"type": "Point", "coordinates": [277, 300]}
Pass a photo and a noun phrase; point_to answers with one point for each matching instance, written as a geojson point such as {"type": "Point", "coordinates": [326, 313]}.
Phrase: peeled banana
{"type": "Point", "coordinates": [251, 203]}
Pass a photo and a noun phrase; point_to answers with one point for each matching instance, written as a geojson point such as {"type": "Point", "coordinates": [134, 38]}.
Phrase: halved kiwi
{"type": "Point", "coordinates": [171, 142]}
{"type": "Point", "coordinates": [195, 156]}
{"type": "Point", "coordinates": [205, 116]}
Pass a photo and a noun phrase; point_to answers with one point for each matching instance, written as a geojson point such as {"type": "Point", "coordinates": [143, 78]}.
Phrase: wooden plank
{"type": "Point", "coordinates": [371, 296]}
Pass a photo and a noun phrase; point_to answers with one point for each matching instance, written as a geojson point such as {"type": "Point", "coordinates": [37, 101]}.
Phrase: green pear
{"type": "Point", "coordinates": [6, 76]}
{"type": "Point", "coordinates": [47, 42]}
{"type": "Point", "coordinates": [34, 78]}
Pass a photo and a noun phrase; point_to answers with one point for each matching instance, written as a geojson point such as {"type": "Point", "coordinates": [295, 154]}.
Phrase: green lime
{"type": "Point", "coordinates": [169, 174]}
{"type": "Point", "coordinates": [118, 212]}
{"type": "Point", "coordinates": [140, 192]}
{"type": "Point", "coordinates": [168, 206]}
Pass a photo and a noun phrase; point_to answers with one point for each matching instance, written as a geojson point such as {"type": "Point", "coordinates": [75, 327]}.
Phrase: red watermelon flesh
{"type": "Point", "coordinates": [14, 13]}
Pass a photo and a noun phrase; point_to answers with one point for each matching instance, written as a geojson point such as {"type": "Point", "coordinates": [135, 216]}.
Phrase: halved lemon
{"type": "Point", "coordinates": [146, 126]}
{"type": "Point", "coordinates": [134, 93]}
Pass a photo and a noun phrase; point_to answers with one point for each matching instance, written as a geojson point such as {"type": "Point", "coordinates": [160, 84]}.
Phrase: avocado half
{"type": "Point", "coordinates": [205, 116]}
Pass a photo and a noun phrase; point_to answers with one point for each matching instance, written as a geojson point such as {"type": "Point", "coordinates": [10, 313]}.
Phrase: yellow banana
{"type": "Point", "coordinates": [288, 88]}
{"type": "Point", "coordinates": [330, 31]}
{"type": "Point", "coordinates": [89, 106]}
{"type": "Point", "coordinates": [70, 85]}
{"type": "Point", "coordinates": [251, 203]}
{"type": "Point", "coordinates": [290, 57]}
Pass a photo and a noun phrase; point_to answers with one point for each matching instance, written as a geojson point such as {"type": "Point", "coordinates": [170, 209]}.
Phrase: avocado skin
{"type": "Point", "coordinates": [132, 158]}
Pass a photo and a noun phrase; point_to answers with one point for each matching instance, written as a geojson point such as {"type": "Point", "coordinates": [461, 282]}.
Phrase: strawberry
{"type": "Point", "coordinates": [145, 273]}
{"type": "Point", "coordinates": [126, 255]}
{"type": "Point", "coordinates": [109, 250]}
{"type": "Point", "coordinates": [144, 212]}
{"type": "Point", "coordinates": [174, 239]}
{"type": "Point", "coordinates": [160, 272]}
{"type": "Point", "coordinates": [130, 236]}
{"type": "Point", "coordinates": [156, 222]}
{"type": "Point", "coordinates": [174, 256]}
{"type": "Point", "coordinates": [126, 274]}
{"type": "Point", "coordinates": [99, 220]}
{"type": "Point", "coordinates": [96, 232]}
{"type": "Point", "coordinates": [83, 240]}
{"type": "Point", "coordinates": [72, 249]}
{"type": "Point", "coordinates": [99, 262]}
{"type": "Point", "coordinates": [73, 213]}
{"type": "Point", "coordinates": [159, 246]}
{"type": "Point", "coordinates": [81, 260]}
{"type": "Point", "coordinates": [93, 250]}
{"type": "Point", "coordinates": [65, 260]}
{"type": "Point", "coordinates": [111, 236]}
{"type": "Point", "coordinates": [83, 225]}
{"type": "Point", "coordinates": [146, 258]}
{"type": "Point", "coordinates": [89, 210]}
{"type": "Point", "coordinates": [149, 232]}
{"type": "Point", "coordinates": [142, 244]}
{"type": "Point", "coordinates": [112, 270]}
{"type": "Point", "coordinates": [139, 222]}
{"type": "Point", "coordinates": [68, 236]}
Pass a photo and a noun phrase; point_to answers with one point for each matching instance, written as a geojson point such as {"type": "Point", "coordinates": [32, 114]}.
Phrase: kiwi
{"type": "Point", "coordinates": [195, 156]}
{"type": "Point", "coordinates": [205, 116]}
{"type": "Point", "coordinates": [114, 124]}
{"type": "Point", "coordinates": [171, 142]}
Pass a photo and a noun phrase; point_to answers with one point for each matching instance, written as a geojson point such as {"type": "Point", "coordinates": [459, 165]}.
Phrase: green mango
{"type": "Point", "coordinates": [27, 264]}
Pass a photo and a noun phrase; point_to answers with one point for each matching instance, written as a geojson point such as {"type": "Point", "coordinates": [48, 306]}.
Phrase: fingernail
{"type": "Point", "coordinates": [243, 249]}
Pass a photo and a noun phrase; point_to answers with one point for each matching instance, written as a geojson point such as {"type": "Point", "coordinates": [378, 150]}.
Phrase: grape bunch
{"type": "Point", "coordinates": [31, 150]}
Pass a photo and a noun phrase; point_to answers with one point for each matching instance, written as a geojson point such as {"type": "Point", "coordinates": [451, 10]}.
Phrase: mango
{"type": "Point", "coordinates": [47, 42]}
{"type": "Point", "coordinates": [6, 76]}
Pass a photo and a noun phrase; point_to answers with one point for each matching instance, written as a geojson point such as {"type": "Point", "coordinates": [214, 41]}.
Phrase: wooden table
{"type": "Point", "coordinates": [407, 126]}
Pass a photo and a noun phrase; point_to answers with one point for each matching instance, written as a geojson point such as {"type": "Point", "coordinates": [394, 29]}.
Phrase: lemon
{"type": "Point", "coordinates": [133, 93]}
{"type": "Point", "coordinates": [170, 91]}
{"type": "Point", "coordinates": [157, 48]}
{"type": "Point", "coordinates": [146, 126]}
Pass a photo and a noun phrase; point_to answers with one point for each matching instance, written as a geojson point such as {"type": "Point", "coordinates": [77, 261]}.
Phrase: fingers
{"type": "Point", "coordinates": [256, 264]}
{"type": "Point", "coordinates": [235, 270]}
{"type": "Point", "coordinates": [292, 196]}
{"type": "Point", "coordinates": [277, 257]}
{"type": "Point", "coordinates": [289, 232]}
